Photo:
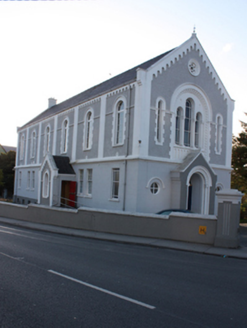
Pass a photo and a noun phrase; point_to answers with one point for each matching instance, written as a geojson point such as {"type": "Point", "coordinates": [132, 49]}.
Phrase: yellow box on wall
{"type": "Point", "coordinates": [202, 230]}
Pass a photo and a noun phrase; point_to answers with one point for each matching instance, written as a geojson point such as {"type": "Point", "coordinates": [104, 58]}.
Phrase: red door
{"type": "Point", "coordinates": [72, 193]}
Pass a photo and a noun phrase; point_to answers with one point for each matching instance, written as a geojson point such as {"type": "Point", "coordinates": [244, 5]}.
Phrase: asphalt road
{"type": "Point", "coordinates": [50, 280]}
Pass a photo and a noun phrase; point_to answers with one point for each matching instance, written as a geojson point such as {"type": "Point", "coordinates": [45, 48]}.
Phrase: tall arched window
{"type": "Point", "coordinates": [22, 146]}
{"type": "Point", "coordinates": [88, 130]}
{"type": "Point", "coordinates": [65, 128]}
{"type": "Point", "coordinates": [119, 123]}
{"type": "Point", "coordinates": [47, 141]}
{"type": "Point", "coordinates": [219, 123]}
{"type": "Point", "coordinates": [33, 144]}
{"type": "Point", "coordinates": [198, 127]}
{"type": "Point", "coordinates": [178, 126]}
{"type": "Point", "coordinates": [159, 122]}
{"type": "Point", "coordinates": [187, 123]}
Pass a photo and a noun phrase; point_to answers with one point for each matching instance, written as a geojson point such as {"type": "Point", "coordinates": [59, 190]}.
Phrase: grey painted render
{"type": "Point", "coordinates": [164, 86]}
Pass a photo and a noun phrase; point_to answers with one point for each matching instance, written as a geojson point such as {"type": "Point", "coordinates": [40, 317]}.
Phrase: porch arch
{"type": "Point", "coordinates": [199, 198]}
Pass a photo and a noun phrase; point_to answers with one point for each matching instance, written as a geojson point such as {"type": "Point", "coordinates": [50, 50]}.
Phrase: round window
{"type": "Point", "coordinates": [154, 188]}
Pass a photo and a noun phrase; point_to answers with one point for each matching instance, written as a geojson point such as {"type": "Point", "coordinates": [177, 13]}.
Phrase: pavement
{"type": "Point", "coordinates": [240, 252]}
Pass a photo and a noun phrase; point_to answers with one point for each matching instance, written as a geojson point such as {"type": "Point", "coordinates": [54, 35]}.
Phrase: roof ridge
{"type": "Point", "coordinates": [95, 91]}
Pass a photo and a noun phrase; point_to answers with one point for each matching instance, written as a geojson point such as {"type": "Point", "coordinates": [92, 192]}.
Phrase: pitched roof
{"type": "Point", "coordinates": [113, 83]}
{"type": "Point", "coordinates": [63, 165]}
{"type": "Point", "coordinates": [9, 148]}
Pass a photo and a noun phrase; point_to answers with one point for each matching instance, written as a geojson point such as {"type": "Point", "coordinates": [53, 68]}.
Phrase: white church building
{"type": "Point", "coordinates": [157, 136]}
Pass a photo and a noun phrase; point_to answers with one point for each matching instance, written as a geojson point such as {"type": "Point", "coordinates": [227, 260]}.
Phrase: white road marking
{"type": "Point", "coordinates": [103, 290]}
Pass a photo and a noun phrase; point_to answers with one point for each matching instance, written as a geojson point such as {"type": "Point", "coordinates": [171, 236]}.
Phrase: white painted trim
{"type": "Point", "coordinates": [114, 120]}
{"type": "Point", "coordinates": [162, 121]}
{"type": "Point", "coordinates": [230, 109]}
{"type": "Point", "coordinates": [101, 141]}
{"type": "Point", "coordinates": [201, 104]}
{"type": "Point", "coordinates": [62, 136]}
{"type": "Point", "coordinates": [204, 173]}
{"type": "Point", "coordinates": [39, 144]}
{"type": "Point", "coordinates": [75, 130]}
{"type": "Point", "coordinates": [84, 147]}
{"type": "Point", "coordinates": [155, 179]}
{"type": "Point", "coordinates": [45, 139]}
{"type": "Point", "coordinates": [55, 135]}
{"type": "Point", "coordinates": [26, 152]}
{"type": "Point", "coordinates": [48, 188]}
{"type": "Point", "coordinates": [174, 56]}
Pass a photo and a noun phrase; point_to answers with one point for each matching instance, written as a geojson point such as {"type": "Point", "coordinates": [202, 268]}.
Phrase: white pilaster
{"type": "Point", "coordinates": [39, 144]}
{"type": "Point", "coordinates": [230, 109]}
{"type": "Point", "coordinates": [75, 129]}
{"type": "Point", "coordinates": [54, 136]}
{"type": "Point", "coordinates": [142, 114]}
{"type": "Point", "coordinates": [102, 127]}
{"type": "Point", "coordinates": [26, 148]}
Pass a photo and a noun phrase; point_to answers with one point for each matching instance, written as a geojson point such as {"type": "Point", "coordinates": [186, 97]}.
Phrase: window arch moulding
{"type": "Point", "coordinates": [47, 139]}
{"type": "Point", "coordinates": [88, 130]}
{"type": "Point", "coordinates": [119, 121]}
{"type": "Point", "coordinates": [160, 108]}
{"type": "Point", "coordinates": [22, 146]}
{"type": "Point", "coordinates": [218, 134]}
{"type": "Point", "coordinates": [33, 144]}
{"type": "Point", "coordinates": [201, 103]}
{"type": "Point", "coordinates": [64, 136]}
{"type": "Point", "coordinates": [157, 181]}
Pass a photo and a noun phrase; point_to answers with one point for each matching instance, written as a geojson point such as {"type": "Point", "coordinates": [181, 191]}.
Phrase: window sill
{"type": "Point", "coordinates": [118, 145]}
{"type": "Point", "coordinates": [84, 196]}
{"type": "Point", "coordinates": [114, 200]}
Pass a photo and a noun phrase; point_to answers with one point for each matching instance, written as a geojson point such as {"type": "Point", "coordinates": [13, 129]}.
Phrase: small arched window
{"type": "Point", "coordinates": [33, 144]}
{"type": "Point", "coordinates": [65, 128]}
{"type": "Point", "coordinates": [88, 130]}
{"type": "Point", "coordinates": [187, 123]}
{"type": "Point", "coordinates": [219, 123]}
{"type": "Point", "coordinates": [119, 123]}
{"type": "Point", "coordinates": [198, 128]}
{"type": "Point", "coordinates": [46, 185]}
{"type": "Point", "coordinates": [178, 126]}
{"type": "Point", "coordinates": [22, 146]}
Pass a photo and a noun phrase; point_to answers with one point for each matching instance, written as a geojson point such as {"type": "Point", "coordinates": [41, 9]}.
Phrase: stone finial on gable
{"type": "Point", "coordinates": [194, 31]}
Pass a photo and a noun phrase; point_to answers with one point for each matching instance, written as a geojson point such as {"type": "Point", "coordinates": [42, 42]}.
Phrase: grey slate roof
{"type": "Point", "coordinates": [113, 83]}
{"type": "Point", "coordinates": [9, 148]}
{"type": "Point", "coordinates": [63, 165]}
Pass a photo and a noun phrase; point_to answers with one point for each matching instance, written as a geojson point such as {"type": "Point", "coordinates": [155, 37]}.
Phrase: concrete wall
{"type": "Point", "coordinates": [181, 227]}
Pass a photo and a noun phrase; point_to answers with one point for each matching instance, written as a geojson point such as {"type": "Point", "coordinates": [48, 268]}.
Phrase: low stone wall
{"type": "Point", "coordinates": [178, 226]}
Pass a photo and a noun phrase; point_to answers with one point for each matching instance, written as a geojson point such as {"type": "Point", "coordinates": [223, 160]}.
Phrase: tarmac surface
{"type": "Point", "coordinates": [240, 253]}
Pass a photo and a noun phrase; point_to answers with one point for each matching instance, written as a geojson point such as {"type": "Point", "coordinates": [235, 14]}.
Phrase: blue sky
{"type": "Point", "coordinates": [60, 48]}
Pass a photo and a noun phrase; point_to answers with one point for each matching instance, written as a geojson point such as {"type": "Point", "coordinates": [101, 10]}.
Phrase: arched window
{"type": "Point", "coordinates": [47, 139]}
{"type": "Point", "coordinates": [198, 127]}
{"type": "Point", "coordinates": [187, 123]}
{"type": "Point", "coordinates": [22, 146]}
{"type": "Point", "coordinates": [219, 123]}
{"type": "Point", "coordinates": [119, 123]}
{"type": "Point", "coordinates": [178, 126]}
{"type": "Point", "coordinates": [46, 185]}
{"type": "Point", "coordinates": [65, 128]}
{"type": "Point", "coordinates": [88, 130]}
{"type": "Point", "coordinates": [33, 144]}
{"type": "Point", "coordinates": [159, 122]}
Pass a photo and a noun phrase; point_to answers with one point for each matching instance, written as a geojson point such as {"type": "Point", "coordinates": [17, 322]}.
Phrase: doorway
{"type": "Point", "coordinates": [196, 193]}
{"type": "Point", "coordinates": [68, 194]}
